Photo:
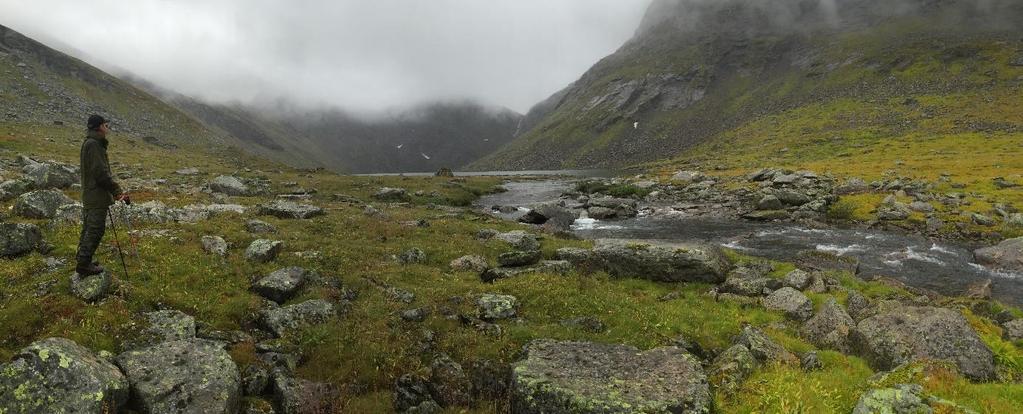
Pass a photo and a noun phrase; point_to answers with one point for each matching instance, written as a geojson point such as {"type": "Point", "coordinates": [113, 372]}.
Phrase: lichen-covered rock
{"type": "Point", "coordinates": [299, 396]}
{"type": "Point", "coordinates": [909, 333]}
{"type": "Point", "coordinates": [52, 175]}
{"type": "Point", "coordinates": [214, 245]}
{"type": "Point", "coordinates": [764, 349]}
{"type": "Point", "coordinates": [859, 306]}
{"type": "Point", "coordinates": [56, 375]}
{"type": "Point", "coordinates": [830, 327]}
{"type": "Point", "coordinates": [449, 383]}
{"type": "Point", "coordinates": [1007, 255]}
{"type": "Point", "coordinates": [792, 302]}
{"type": "Point", "coordinates": [11, 189]}
{"type": "Point", "coordinates": [263, 250]}
{"type": "Point", "coordinates": [168, 325]}
{"type": "Point", "coordinates": [903, 399]}
{"type": "Point", "coordinates": [231, 185]}
{"type": "Point", "coordinates": [91, 288]}
{"type": "Point", "coordinates": [551, 215]}
{"type": "Point", "coordinates": [412, 395]}
{"type": "Point", "coordinates": [663, 263]}
{"type": "Point", "coordinates": [69, 214]}
{"type": "Point", "coordinates": [189, 376]}
{"type": "Point", "coordinates": [744, 286]}
{"type": "Point", "coordinates": [519, 258]}
{"type": "Point", "coordinates": [41, 204]}
{"type": "Point", "coordinates": [731, 368]}
{"type": "Point", "coordinates": [259, 227]}
{"type": "Point", "coordinates": [255, 379]}
{"type": "Point", "coordinates": [811, 362]}
{"type": "Point", "coordinates": [519, 240]}
{"type": "Point", "coordinates": [392, 194]}
{"type": "Point", "coordinates": [282, 284]}
{"type": "Point", "coordinates": [545, 266]}
{"type": "Point", "coordinates": [17, 239]}
{"type": "Point", "coordinates": [290, 210]}
{"type": "Point", "coordinates": [414, 255]}
{"type": "Point", "coordinates": [585, 377]}
{"type": "Point", "coordinates": [1014, 330]}
{"type": "Point", "coordinates": [470, 263]}
{"type": "Point", "coordinates": [797, 279]}
{"type": "Point", "coordinates": [281, 320]}
{"type": "Point", "coordinates": [492, 307]}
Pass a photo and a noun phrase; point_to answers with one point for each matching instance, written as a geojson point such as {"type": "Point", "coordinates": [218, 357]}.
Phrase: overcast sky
{"type": "Point", "coordinates": [356, 54]}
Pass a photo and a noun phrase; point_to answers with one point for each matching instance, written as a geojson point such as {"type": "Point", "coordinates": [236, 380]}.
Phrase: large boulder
{"type": "Point", "coordinates": [830, 327]}
{"type": "Point", "coordinates": [493, 306]}
{"type": "Point", "coordinates": [52, 175]}
{"type": "Point", "coordinates": [299, 396]}
{"type": "Point", "coordinates": [214, 245]}
{"type": "Point", "coordinates": [1013, 330]}
{"type": "Point", "coordinates": [550, 214]}
{"type": "Point", "coordinates": [282, 284]}
{"type": "Point", "coordinates": [41, 204]}
{"type": "Point", "coordinates": [793, 303]}
{"type": "Point", "coordinates": [11, 189]}
{"type": "Point", "coordinates": [449, 383]}
{"type": "Point", "coordinates": [731, 368]}
{"type": "Point", "coordinates": [663, 262]}
{"type": "Point", "coordinates": [189, 376]}
{"type": "Point", "coordinates": [585, 377]}
{"type": "Point", "coordinates": [764, 349]}
{"type": "Point", "coordinates": [231, 185]}
{"type": "Point", "coordinates": [908, 333]}
{"type": "Point", "coordinates": [91, 288]}
{"type": "Point", "coordinates": [263, 250]}
{"type": "Point", "coordinates": [473, 263]}
{"type": "Point", "coordinates": [902, 399]}
{"type": "Point", "coordinates": [290, 210]}
{"type": "Point", "coordinates": [18, 239]}
{"type": "Point", "coordinates": [1007, 255]}
{"type": "Point", "coordinates": [392, 194]}
{"type": "Point", "coordinates": [519, 258]}
{"type": "Point", "coordinates": [56, 375]}
{"type": "Point", "coordinates": [283, 319]}
{"type": "Point", "coordinates": [519, 240]}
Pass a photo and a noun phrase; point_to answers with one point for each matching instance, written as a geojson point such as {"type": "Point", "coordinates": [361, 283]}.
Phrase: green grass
{"type": "Point", "coordinates": [367, 348]}
{"type": "Point", "coordinates": [614, 190]}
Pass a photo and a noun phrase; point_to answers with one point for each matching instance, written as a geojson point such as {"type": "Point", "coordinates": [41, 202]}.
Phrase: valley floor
{"type": "Point", "coordinates": [364, 252]}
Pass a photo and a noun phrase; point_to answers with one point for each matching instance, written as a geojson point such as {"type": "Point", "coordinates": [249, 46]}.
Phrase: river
{"type": "Point", "coordinates": [947, 268]}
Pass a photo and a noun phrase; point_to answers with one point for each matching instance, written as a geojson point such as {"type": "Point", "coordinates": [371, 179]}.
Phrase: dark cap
{"type": "Point", "coordinates": [95, 121]}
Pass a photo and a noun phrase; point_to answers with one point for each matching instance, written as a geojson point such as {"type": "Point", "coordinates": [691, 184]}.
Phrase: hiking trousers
{"type": "Point", "coordinates": [94, 225]}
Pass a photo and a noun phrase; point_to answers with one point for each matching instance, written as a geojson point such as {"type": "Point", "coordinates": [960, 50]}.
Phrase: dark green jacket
{"type": "Point", "coordinates": [98, 186]}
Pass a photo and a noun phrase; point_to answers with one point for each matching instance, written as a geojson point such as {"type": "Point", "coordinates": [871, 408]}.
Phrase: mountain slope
{"type": "Point", "coordinates": [697, 71]}
{"type": "Point", "coordinates": [40, 85]}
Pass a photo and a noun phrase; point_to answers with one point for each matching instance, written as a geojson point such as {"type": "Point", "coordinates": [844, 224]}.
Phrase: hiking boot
{"type": "Point", "coordinates": [89, 270]}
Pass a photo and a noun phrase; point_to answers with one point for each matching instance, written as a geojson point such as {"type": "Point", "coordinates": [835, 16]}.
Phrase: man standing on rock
{"type": "Point", "coordinates": [98, 193]}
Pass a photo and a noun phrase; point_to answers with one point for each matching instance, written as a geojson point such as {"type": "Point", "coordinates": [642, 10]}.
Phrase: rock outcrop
{"type": "Point", "coordinates": [573, 377]}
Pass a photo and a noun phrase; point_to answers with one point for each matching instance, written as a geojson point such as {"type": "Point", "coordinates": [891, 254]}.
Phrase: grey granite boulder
{"type": "Point", "coordinates": [663, 262]}
{"type": "Point", "coordinates": [909, 333]}
{"type": "Point", "coordinates": [263, 251]}
{"type": "Point", "coordinates": [169, 325]}
{"type": "Point", "coordinates": [731, 368]}
{"type": "Point", "coordinates": [573, 377]}
{"type": "Point", "coordinates": [56, 375]}
{"type": "Point", "coordinates": [1007, 255]}
{"type": "Point", "coordinates": [519, 240]}
{"type": "Point", "coordinates": [902, 399]}
{"type": "Point", "coordinates": [492, 307]}
{"type": "Point", "coordinates": [41, 204]}
{"type": "Point", "coordinates": [830, 327]}
{"type": "Point", "coordinates": [52, 175]}
{"type": "Point", "coordinates": [259, 227]}
{"type": "Point", "coordinates": [449, 383]}
{"type": "Point", "coordinates": [519, 258]}
{"type": "Point", "coordinates": [299, 396]}
{"type": "Point", "coordinates": [190, 376]}
{"type": "Point", "coordinates": [17, 239]}
{"type": "Point", "coordinates": [793, 303]}
{"type": "Point", "coordinates": [392, 194]}
{"type": "Point", "coordinates": [764, 349]}
{"type": "Point", "coordinates": [283, 319]}
{"type": "Point", "coordinates": [214, 245]}
{"type": "Point", "coordinates": [282, 284]}
{"type": "Point", "coordinates": [91, 288]}
{"type": "Point", "coordinates": [744, 286]}
{"type": "Point", "coordinates": [798, 279]}
{"type": "Point", "coordinates": [231, 185]}
{"type": "Point", "coordinates": [470, 263]}
{"type": "Point", "coordinates": [290, 210]}
{"type": "Point", "coordinates": [1013, 330]}
{"type": "Point", "coordinates": [11, 189]}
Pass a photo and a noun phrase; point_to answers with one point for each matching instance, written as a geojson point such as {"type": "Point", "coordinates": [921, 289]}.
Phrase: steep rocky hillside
{"type": "Point", "coordinates": [699, 71]}
{"type": "Point", "coordinates": [41, 86]}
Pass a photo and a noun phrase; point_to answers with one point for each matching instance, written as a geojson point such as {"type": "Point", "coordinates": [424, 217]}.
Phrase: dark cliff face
{"type": "Point", "coordinates": [698, 68]}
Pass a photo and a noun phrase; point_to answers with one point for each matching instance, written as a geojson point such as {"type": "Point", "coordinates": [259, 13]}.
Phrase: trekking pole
{"type": "Point", "coordinates": [117, 243]}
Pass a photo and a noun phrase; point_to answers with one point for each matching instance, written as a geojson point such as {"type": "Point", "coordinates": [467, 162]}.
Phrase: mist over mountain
{"type": "Point", "coordinates": [697, 69]}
